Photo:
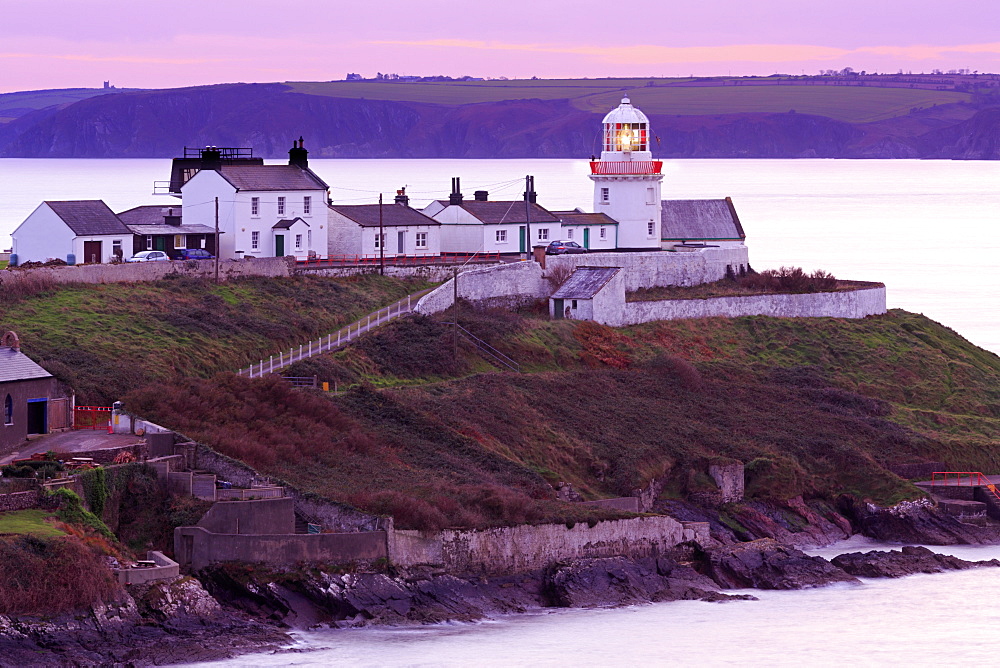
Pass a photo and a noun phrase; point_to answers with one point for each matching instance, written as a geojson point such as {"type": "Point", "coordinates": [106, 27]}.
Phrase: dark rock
{"type": "Point", "coordinates": [915, 522]}
{"type": "Point", "coordinates": [766, 564]}
{"type": "Point", "coordinates": [898, 563]}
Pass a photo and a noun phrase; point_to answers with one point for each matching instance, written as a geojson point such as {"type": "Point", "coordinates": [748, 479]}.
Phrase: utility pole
{"type": "Point", "coordinates": [381, 238]}
{"type": "Point", "coordinates": [454, 340]}
{"type": "Point", "coordinates": [216, 239]}
{"type": "Point", "coordinates": [527, 216]}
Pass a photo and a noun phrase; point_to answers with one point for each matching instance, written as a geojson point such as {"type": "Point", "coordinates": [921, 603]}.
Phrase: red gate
{"type": "Point", "coordinates": [92, 417]}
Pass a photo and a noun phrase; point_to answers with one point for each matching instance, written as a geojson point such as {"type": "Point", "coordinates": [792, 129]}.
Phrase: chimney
{"type": "Point", "coordinates": [530, 194]}
{"type": "Point", "coordinates": [172, 216]}
{"type": "Point", "coordinates": [298, 155]}
{"type": "Point", "coordinates": [10, 340]}
{"type": "Point", "coordinates": [482, 195]}
{"type": "Point", "coordinates": [456, 191]}
{"type": "Point", "coordinates": [401, 197]}
{"type": "Point", "coordinates": [211, 158]}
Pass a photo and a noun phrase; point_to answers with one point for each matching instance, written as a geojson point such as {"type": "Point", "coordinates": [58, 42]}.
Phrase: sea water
{"type": "Point", "coordinates": [943, 619]}
{"type": "Point", "coordinates": [927, 229]}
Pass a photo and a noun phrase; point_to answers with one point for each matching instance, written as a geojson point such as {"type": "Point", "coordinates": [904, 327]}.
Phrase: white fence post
{"type": "Point", "coordinates": [272, 364]}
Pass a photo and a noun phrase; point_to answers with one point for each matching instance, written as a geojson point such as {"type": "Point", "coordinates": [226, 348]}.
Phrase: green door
{"type": "Point", "coordinates": [586, 237]}
{"type": "Point", "coordinates": [160, 243]}
{"type": "Point", "coordinates": [279, 245]}
{"type": "Point", "coordinates": [521, 240]}
{"type": "Point", "coordinates": [558, 308]}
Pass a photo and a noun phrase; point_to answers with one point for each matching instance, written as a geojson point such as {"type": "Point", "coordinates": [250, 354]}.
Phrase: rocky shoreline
{"type": "Point", "coordinates": [234, 609]}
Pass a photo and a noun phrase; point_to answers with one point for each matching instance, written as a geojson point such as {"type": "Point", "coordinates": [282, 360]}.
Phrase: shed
{"type": "Point", "coordinates": [31, 399]}
{"type": "Point", "coordinates": [86, 229]}
{"type": "Point", "coordinates": [589, 294]}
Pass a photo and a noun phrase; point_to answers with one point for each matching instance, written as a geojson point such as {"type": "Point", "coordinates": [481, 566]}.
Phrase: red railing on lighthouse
{"type": "Point", "coordinates": [625, 167]}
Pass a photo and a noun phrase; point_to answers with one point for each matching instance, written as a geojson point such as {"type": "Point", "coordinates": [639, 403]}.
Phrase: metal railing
{"type": "Point", "coordinates": [396, 260]}
{"type": "Point", "coordinates": [92, 417]}
{"type": "Point", "coordinates": [486, 350]}
{"type": "Point", "coordinates": [334, 341]}
{"type": "Point", "coordinates": [248, 494]}
{"type": "Point", "coordinates": [626, 167]}
{"type": "Point", "coordinates": [971, 479]}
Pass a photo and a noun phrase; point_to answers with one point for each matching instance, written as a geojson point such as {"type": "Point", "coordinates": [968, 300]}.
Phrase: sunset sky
{"type": "Point", "coordinates": [80, 43]}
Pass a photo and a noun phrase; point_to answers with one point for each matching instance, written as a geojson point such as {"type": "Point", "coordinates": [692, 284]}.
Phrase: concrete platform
{"type": "Point", "coordinates": [71, 441]}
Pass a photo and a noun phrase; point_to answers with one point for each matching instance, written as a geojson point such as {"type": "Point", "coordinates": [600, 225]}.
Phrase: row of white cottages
{"type": "Point", "coordinates": [285, 210]}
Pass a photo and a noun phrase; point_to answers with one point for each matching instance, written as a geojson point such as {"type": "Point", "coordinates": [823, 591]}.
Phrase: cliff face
{"type": "Point", "coordinates": [267, 116]}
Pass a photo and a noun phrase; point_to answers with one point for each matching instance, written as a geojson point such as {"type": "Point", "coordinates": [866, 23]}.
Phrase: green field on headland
{"type": "Point", "coordinates": [813, 407]}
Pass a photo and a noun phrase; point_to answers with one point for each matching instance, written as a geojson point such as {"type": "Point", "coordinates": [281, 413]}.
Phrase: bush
{"type": "Point", "coordinates": [789, 279]}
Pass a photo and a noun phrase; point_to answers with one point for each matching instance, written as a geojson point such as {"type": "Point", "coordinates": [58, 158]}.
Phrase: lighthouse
{"type": "Point", "coordinates": [627, 179]}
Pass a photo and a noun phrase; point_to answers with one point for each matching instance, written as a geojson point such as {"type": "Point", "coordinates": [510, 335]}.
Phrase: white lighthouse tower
{"type": "Point", "coordinates": [627, 179]}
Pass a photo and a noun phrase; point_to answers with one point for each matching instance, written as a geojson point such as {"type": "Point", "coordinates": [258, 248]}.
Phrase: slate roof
{"type": "Point", "coordinates": [149, 220]}
{"type": "Point", "coordinates": [393, 215]}
{"type": "Point", "coordinates": [580, 218]}
{"type": "Point", "coordinates": [271, 177]}
{"type": "Point", "coordinates": [700, 219]}
{"type": "Point", "coordinates": [496, 213]}
{"type": "Point", "coordinates": [88, 217]}
{"type": "Point", "coordinates": [15, 365]}
{"type": "Point", "coordinates": [585, 282]}
{"type": "Point", "coordinates": [285, 223]}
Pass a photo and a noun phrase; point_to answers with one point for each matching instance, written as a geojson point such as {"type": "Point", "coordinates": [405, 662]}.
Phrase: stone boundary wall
{"type": "Point", "coordinates": [430, 273]}
{"type": "Point", "coordinates": [847, 304]}
{"type": "Point", "coordinates": [20, 500]}
{"type": "Point", "coordinates": [659, 268]}
{"type": "Point", "coordinates": [165, 569]}
{"type": "Point", "coordinates": [139, 272]}
{"type": "Point", "coordinates": [196, 547]}
{"type": "Point", "coordinates": [498, 285]}
{"type": "Point", "coordinates": [526, 548]}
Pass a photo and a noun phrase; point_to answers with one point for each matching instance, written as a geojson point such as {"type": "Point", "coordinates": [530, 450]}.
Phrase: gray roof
{"type": "Point", "coordinates": [580, 218]}
{"type": "Point", "coordinates": [585, 282]}
{"type": "Point", "coordinates": [393, 215]}
{"type": "Point", "coordinates": [15, 365]}
{"type": "Point", "coordinates": [271, 177]}
{"type": "Point", "coordinates": [496, 213]}
{"type": "Point", "coordinates": [88, 217]}
{"type": "Point", "coordinates": [700, 219]}
{"type": "Point", "coordinates": [286, 223]}
{"type": "Point", "coordinates": [149, 214]}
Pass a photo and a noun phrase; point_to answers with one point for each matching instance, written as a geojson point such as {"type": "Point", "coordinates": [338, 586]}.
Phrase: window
{"type": "Point", "coordinates": [574, 304]}
{"type": "Point", "coordinates": [281, 206]}
{"type": "Point", "coordinates": [298, 242]}
{"type": "Point", "coordinates": [254, 206]}
{"type": "Point", "coordinates": [149, 243]}
{"type": "Point", "coordinates": [605, 195]}
{"type": "Point", "coordinates": [421, 240]}
{"type": "Point", "coordinates": [180, 241]}
{"type": "Point", "coordinates": [307, 205]}
{"type": "Point", "coordinates": [604, 233]}
{"type": "Point", "coordinates": [650, 228]}
{"type": "Point", "coordinates": [379, 240]}
{"type": "Point", "coordinates": [8, 410]}
{"type": "Point", "coordinates": [254, 240]}
{"type": "Point", "coordinates": [569, 233]}
{"type": "Point", "coordinates": [501, 236]}
{"type": "Point", "coordinates": [543, 233]}
{"type": "Point", "coordinates": [650, 196]}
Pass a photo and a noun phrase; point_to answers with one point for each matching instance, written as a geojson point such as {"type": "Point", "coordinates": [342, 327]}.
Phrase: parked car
{"type": "Point", "coordinates": [192, 254]}
{"type": "Point", "coordinates": [149, 256]}
{"type": "Point", "coordinates": [564, 248]}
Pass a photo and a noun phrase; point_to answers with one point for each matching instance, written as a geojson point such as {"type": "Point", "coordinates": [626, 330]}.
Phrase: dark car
{"type": "Point", "coordinates": [564, 248]}
{"type": "Point", "coordinates": [193, 254]}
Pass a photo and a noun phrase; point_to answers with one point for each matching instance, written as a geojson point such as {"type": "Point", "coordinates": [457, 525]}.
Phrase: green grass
{"type": "Point", "coordinates": [32, 522]}
{"type": "Point", "coordinates": [854, 104]}
{"type": "Point", "coordinates": [4, 263]}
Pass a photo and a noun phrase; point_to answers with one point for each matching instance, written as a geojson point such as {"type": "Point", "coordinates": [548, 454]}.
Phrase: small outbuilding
{"type": "Point", "coordinates": [77, 231]}
{"type": "Point", "coordinates": [162, 228]}
{"type": "Point", "coordinates": [31, 399]}
{"type": "Point", "coordinates": [590, 293]}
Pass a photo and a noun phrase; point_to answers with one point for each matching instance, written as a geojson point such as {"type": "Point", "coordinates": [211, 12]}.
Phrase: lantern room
{"type": "Point", "coordinates": [626, 129]}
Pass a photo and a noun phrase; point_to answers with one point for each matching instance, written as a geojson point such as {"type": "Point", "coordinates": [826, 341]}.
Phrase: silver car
{"type": "Point", "coordinates": [150, 256]}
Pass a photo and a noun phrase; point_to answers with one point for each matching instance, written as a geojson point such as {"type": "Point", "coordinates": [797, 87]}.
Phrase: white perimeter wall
{"type": "Point", "coordinates": [661, 268]}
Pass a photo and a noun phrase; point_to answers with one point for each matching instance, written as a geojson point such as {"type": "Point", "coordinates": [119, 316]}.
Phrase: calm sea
{"type": "Point", "coordinates": [927, 229]}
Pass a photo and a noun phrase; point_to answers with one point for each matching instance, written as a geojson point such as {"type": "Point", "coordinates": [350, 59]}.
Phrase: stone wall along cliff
{"type": "Point", "coordinates": [139, 272]}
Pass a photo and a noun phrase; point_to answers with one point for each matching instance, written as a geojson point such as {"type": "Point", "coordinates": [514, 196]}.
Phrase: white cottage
{"type": "Point", "coordinates": [593, 231]}
{"type": "Point", "coordinates": [79, 231]}
{"type": "Point", "coordinates": [482, 226]}
{"type": "Point", "coordinates": [354, 230]}
{"type": "Point", "coordinates": [263, 210]}
{"type": "Point", "coordinates": [587, 291]}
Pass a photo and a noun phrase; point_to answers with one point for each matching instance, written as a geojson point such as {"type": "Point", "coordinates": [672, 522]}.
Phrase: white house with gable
{"type": "Point", "coordinates": [78, 231]}
{"type": "Point", "coordinates": [264, 210]}
{"type": "Point", "coordinates": [373, 230]}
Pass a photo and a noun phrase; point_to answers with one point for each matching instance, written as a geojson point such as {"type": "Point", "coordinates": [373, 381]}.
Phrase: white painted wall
{"type": "Point", "coordinates": [575, 233]}
{"type": "Point", "coordinates": [107, 246]}
{"type": "Point", "coordinates": [632, 206]}
{"type": "Point", "coordinates": [44, 236]}
{"type": "Point", "coordinates": [660, 268]}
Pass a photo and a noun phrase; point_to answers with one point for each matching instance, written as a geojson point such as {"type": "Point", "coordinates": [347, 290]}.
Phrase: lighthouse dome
{"type": "Point", "coordinates": [625, 113]}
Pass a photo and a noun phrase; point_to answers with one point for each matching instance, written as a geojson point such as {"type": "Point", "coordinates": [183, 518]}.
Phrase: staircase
{"type": "Point", "coordinates": [485, 350]}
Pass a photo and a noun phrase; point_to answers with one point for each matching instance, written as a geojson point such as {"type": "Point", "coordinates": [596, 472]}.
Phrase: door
{"type": "Point", "coordinates": [521, 240]}
{"type": "Point", "coordinates": [586, 237]}
{"type": "Point", "coordinates": [38, 416]}
{"type": "Point", "coordinates": [401, 243]}
{"type": "Point", "coordinates": [160, 244]}
{"type": "Point", "coordinates": [279, 245]}
{"type": "Point", "coordinates": [91, 252]}
{"type": "Point", "coordinates": [559, 305]}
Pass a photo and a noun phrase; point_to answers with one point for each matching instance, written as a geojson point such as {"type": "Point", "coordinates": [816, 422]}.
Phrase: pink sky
{"type": "Point", "coordinates": [80, 43]}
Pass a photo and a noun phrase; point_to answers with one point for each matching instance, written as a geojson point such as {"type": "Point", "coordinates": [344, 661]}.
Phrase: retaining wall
{"type": "Point", "coordinates": [138, 272]}
{"type": "Point", "coordinates": [659, 269]}
{"type": "Point", "coordinates": [19, 500]}
{"type": "Point", "coordinates": [196, 547]}
{"type": "Point", "coordinates": [263, 516]}
{"type": "Point", "coordinates": [165, 569]}
{"type": "Point", "coordinates": [526, 548]}
{"type": "Point", "coordinates": [432, 274]}
{"type": "Point", "coordinates": [505, 285]}
{"type": "Point", "coordinates": [846, 304]}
